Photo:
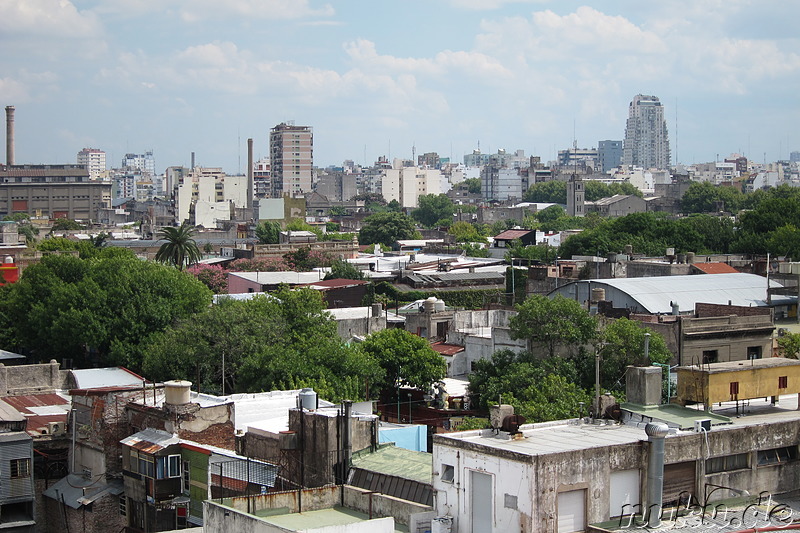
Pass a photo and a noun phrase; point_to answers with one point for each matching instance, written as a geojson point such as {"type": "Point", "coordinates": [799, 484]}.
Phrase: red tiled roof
{"type": "Point", "coordinates": [446, 349]}
{"type": "Point", "coordinates": [716, 268]}
{"type": "Point", "coordinates": [511, 234]}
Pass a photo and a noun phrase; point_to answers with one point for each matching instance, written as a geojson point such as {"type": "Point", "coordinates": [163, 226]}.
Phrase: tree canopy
{"type": "Point", "coordinates": [434, 210]}
{"type": "Point", "coordinates": [179, 248]}
{"type": "Point", "coordinates": [268, 232]}
{"type": "Point", "coordinates": [622, 345]}
{"type": "Point", "coordinates": [406, 359]}
{"type": "Point", "coordinates": [386, 229]}
{"type": "Point", "coordinates": [97, 309]}
{"type": "Point", "coordinates": [552, 322]}
{"type": "Point", "coordinates": [547, 192]}
{"type": "Point", "coordinates": [283, 341]}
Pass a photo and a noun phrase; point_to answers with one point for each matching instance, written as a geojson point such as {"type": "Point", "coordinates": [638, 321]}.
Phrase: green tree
{"type": "Point", "coordinates": [96, 310]}
{"type": "Point", "coordinates": [622, 345]}
{"type": "Point", "coordinates": [386, 229]}
{"type": "Point", "coordinates": [789, 343]}
{"type": "Point", "coordinates": [434, 210]}
{"type": "Point", "coordinates": [465, 232]}
{"type": "Point", "coordinates": [547, 192]}
{"type": "Point", "coordinates": [407, 360]}
{"type": "Point", "coordinates": [705, 197]}
{"type": "Point", "coordinates": [550, 214]}
{"type": "Point", "coordinates": [298, 224]}
{"type": "Point", "coordinates": [268, 232]}
{"type": "Point", "coordinates": [65, 224]}
{"type": "Point", "coordinates": [540, 389]}
{"type": "Point", "coordinates": [16, 217]}
{"type": "Point", "coordinates": [473, 185]}
{"type": "Point", "coordinates": [341, 269]}
{"type": "Point", "coordinates": [553, 322]}
{"type": "Point", "coordinates": [180, 248]}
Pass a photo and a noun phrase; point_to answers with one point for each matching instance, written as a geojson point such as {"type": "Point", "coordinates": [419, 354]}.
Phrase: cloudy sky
{"type": "Point", "coordinates": [376, 77]}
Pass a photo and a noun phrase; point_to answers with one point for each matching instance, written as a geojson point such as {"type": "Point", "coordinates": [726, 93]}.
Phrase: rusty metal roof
{"type": "Point", "coordinates": [511, 234]}
{"type": "Point", "coordinates": [446, 349]}
{"type": "Point", "coordinates": [40, 410]}
{"type": "Point", "coordinates": [151, 440]}
{"type": "Point", "coordinates": [715, 268]}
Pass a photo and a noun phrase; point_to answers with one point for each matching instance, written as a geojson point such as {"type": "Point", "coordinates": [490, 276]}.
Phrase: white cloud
{"type": "Point", "coordinates": [46, 18]}
{"type": "Point", "coordinates": [197, 10]}
{"type": "Point", "coordinates": [486, 5]}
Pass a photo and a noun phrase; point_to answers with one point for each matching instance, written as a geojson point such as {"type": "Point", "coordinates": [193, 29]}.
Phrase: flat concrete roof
{"type": "Point", "coordinates": [675, 415]}
{"type": "Point", "coordinates": [335, 516]}
{"type": "Point", "coordinates": [736, 366]}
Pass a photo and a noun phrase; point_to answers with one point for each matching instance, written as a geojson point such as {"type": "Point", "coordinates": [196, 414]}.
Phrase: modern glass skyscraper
{"type": "Point", "coordinates": [646, 141]}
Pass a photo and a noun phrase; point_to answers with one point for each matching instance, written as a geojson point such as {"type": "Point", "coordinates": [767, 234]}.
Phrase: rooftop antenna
{"type": "Point", "coordinates": [676, 131]}
{"type": "Point", "coordinates": [414, 152]}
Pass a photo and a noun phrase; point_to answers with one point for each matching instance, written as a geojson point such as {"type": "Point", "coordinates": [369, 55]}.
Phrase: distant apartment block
{"type": "Point", "coordinates": [56, 191]}
{"type": "Point", "coordinates": [203, 196]}
{"type": "Point", "coordinates": [573, 156]}
{"type": "Point", "coordinates": [609, 154]}
{"type": "Point", "coordinates": [262, 178]}
{"type": "Point", "coordinates": [501, 184]}
{"type": "Point", "coordinates": [407, 184]}
{"type": "Point", "coordinates": [291, 153]}
{"type": "Point", "coordinates": [95, 162]}
{"type": "Point", "coordinates": [646, 141]}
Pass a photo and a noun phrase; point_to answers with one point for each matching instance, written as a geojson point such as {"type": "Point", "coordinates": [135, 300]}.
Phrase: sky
{"type": "Point", "coordinates": [390, 77]}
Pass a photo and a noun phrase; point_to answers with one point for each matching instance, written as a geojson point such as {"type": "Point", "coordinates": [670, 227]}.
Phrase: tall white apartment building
{"type": "Point", "coordinates": [646, 142]}
{"type": "Point", "coordinates": [95, 162]}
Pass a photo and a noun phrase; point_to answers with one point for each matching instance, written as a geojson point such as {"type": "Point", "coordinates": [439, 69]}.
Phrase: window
{"type": "Point", "coordinates": [734, 388]}
{"type": "Point", "coordinates": [448, 473]}
{"type": "Point", "coordinates": [777, 456]}
{"type": "Point", "coordinates": [134, 461]}
{"type": "Point", "coordinates": [20, 468]}
{"type": "Point", "coordinates": [783, 382]}
{"type": "Point", "coordinates": [727, 463]}
{"type": "Point", "coordinates": [186, 476]}
{"type": "Point", "coordinates": [753, 352]}
{"type": "Point", "coordinates": [169, 466]}
{"type": "Point", "coordinates": [146, 467]}
{"type": "Point", "coordinates": [123, 505]}
{"type": "Point", "coordinates": [710, 356]}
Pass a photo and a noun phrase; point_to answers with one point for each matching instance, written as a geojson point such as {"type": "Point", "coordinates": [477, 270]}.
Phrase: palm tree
{"type": "Point", "coordinates": [179, 249]}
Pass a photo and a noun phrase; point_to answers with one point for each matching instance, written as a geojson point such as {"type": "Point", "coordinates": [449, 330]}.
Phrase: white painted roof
{"type": "Point", "coordinates": [655, 293]}
{"type": "Point", "coordinates": [94, 378]}
{"type": "Point", "coordinates": [274, 278]}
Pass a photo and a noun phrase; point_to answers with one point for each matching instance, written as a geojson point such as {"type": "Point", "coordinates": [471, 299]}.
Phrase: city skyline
{"type": "Point", "coordinates": [178, 77]}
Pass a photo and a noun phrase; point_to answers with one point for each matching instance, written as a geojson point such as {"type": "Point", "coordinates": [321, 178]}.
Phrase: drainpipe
{"type": "Point", "coordinates": [656, 432]}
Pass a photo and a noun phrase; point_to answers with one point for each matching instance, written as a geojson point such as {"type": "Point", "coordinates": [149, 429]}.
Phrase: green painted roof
{"type": "Point", "coordinates": [399, 462]}
{"type": "Point", "coordinates": [675, 414]}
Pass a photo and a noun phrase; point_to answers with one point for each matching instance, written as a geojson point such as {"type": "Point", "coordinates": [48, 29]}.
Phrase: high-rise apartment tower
{"type": "Point", "coordinates": [94, 160]}
{"type": "Point", "coordinates": [646, 141]}
{"type": "Point", "coordinates": [291, 153]}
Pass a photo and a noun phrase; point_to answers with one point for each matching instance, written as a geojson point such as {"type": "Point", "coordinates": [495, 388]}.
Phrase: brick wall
{"type": "Point", "coordinates": [711, 310]}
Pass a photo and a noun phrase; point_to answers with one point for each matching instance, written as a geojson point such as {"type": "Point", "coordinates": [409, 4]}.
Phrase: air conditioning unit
{"type": "Point", "coordinates": [56, 428]}
{"type": "Point", "coordinates": [704, 424]}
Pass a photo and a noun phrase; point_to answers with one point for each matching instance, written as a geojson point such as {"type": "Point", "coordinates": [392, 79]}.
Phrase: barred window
{"type": "Point", "coordinates": [20, 468]}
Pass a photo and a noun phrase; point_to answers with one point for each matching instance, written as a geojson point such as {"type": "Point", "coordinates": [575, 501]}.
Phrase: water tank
{"type": "Point", "coordinates": [8, 260]}
{"type": "Point", "coordinates": [598, 295]}
{"type": "Point", "coordinates": [439, 306]}
{"type": "Point", "coordinates": [681, 258]}
{"type": "Point", "coordinates": [177, 392]}
{"type": "Point", "coordinates": [628, 249]}
{"type": "Point", "coordinates": [670, 252]}
{"type": "Point", "coordinates": [308, 399]}
{"type": "Point", "coordinates": [377, 309]}
{"type": "Point", "coordinates": [611, 257]}
{"type": "Point", "coordinates": [690, 257]}
{"type": "Point", "coordinates": [429, 305]}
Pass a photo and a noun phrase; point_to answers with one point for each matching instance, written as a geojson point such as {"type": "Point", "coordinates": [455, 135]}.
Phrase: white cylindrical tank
{"type": "Point", "coordinates": [429, 305]}
{"type": "Point", "coordinates": [308, 399]}
{"type": "Point", "coordinates": [438, 306]}
{"type": "Point", "coordinates": [598, 295]}
{"type": "Point", "coordinates": [177, 392]}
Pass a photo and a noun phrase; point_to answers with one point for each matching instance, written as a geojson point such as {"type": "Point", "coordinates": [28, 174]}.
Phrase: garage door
{"type": "Point", "coordinates": [679, 482]}
{"type": "Point", "coordinates": [572, 511]}
{"type": "Point", "coordinates": [624, 492]}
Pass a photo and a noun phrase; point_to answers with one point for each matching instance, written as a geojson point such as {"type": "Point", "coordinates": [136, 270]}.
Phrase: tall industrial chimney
{"type": "Point", "coordinates": [9, 135]}
{"type": "Point", "coordinates": [250, 177]}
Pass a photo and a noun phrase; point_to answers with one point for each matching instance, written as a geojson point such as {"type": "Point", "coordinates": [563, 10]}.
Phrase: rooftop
{"type": "Point", "coordinates": [323, 518]}
{"type": "Point", "coordinates": [736, 366]}
{"type": "Point", "coordinates": [398, 462]}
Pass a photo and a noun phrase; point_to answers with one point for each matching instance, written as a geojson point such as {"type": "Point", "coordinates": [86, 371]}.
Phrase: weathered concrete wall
{"type": "Point", "coordinates": [360, 326]}
{"type": "Point", "coordinates": [645, 269]}
{"type": "Point", "coordinates": [382, 505]}
{"type": "Point", "coordinates": [222, 519]}
{"type": "Point", "coordinates": [32, 379]}
{"type": "Point", "coordinates": [211, 425]}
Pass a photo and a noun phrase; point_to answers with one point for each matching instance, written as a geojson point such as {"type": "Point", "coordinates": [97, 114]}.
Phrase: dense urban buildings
{"type": "Point", "coordinates": [610, 154]}
{"type": "Point", "coordinates": [291, 154]}
{"type": "Point", "coordinates": [646, 141]}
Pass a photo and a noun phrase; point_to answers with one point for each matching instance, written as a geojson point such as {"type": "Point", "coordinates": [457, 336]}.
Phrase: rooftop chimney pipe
{"type": "Point", "coordinates": [9, 135]}
{"type": "Point", "coordinates": [656, 433]}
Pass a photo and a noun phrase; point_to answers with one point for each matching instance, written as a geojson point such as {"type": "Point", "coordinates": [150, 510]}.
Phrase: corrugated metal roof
{"type": "Point", "coordinates": [77, 490]}
{"type": "Point", "coordinates": [446, 349]}
{"type": "Point", "coordinates": [9, 414]}
{"type": "Point", "coordinates": [40, 410]}
{"type": "Point", "coordinates": [150, 440]}
{"type": "Point", "coordinates": [715, 268]}
{"type": "Point", "coordinates": [9, 356]}
{"type": "Point", "coordinates": [336, 284]}
{"type": "Point", "coordinates": [655, 293]}
{"type": "Point", "coordinates": [511, 234]}
{"type": "Point", "coordinates": [398, 462]}
{"type": "Point", "coordinates": [93, 378]}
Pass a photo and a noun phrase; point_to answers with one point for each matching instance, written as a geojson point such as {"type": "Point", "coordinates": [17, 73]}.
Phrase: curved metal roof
{"type": "Point", "coordinates": [655, 294]}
